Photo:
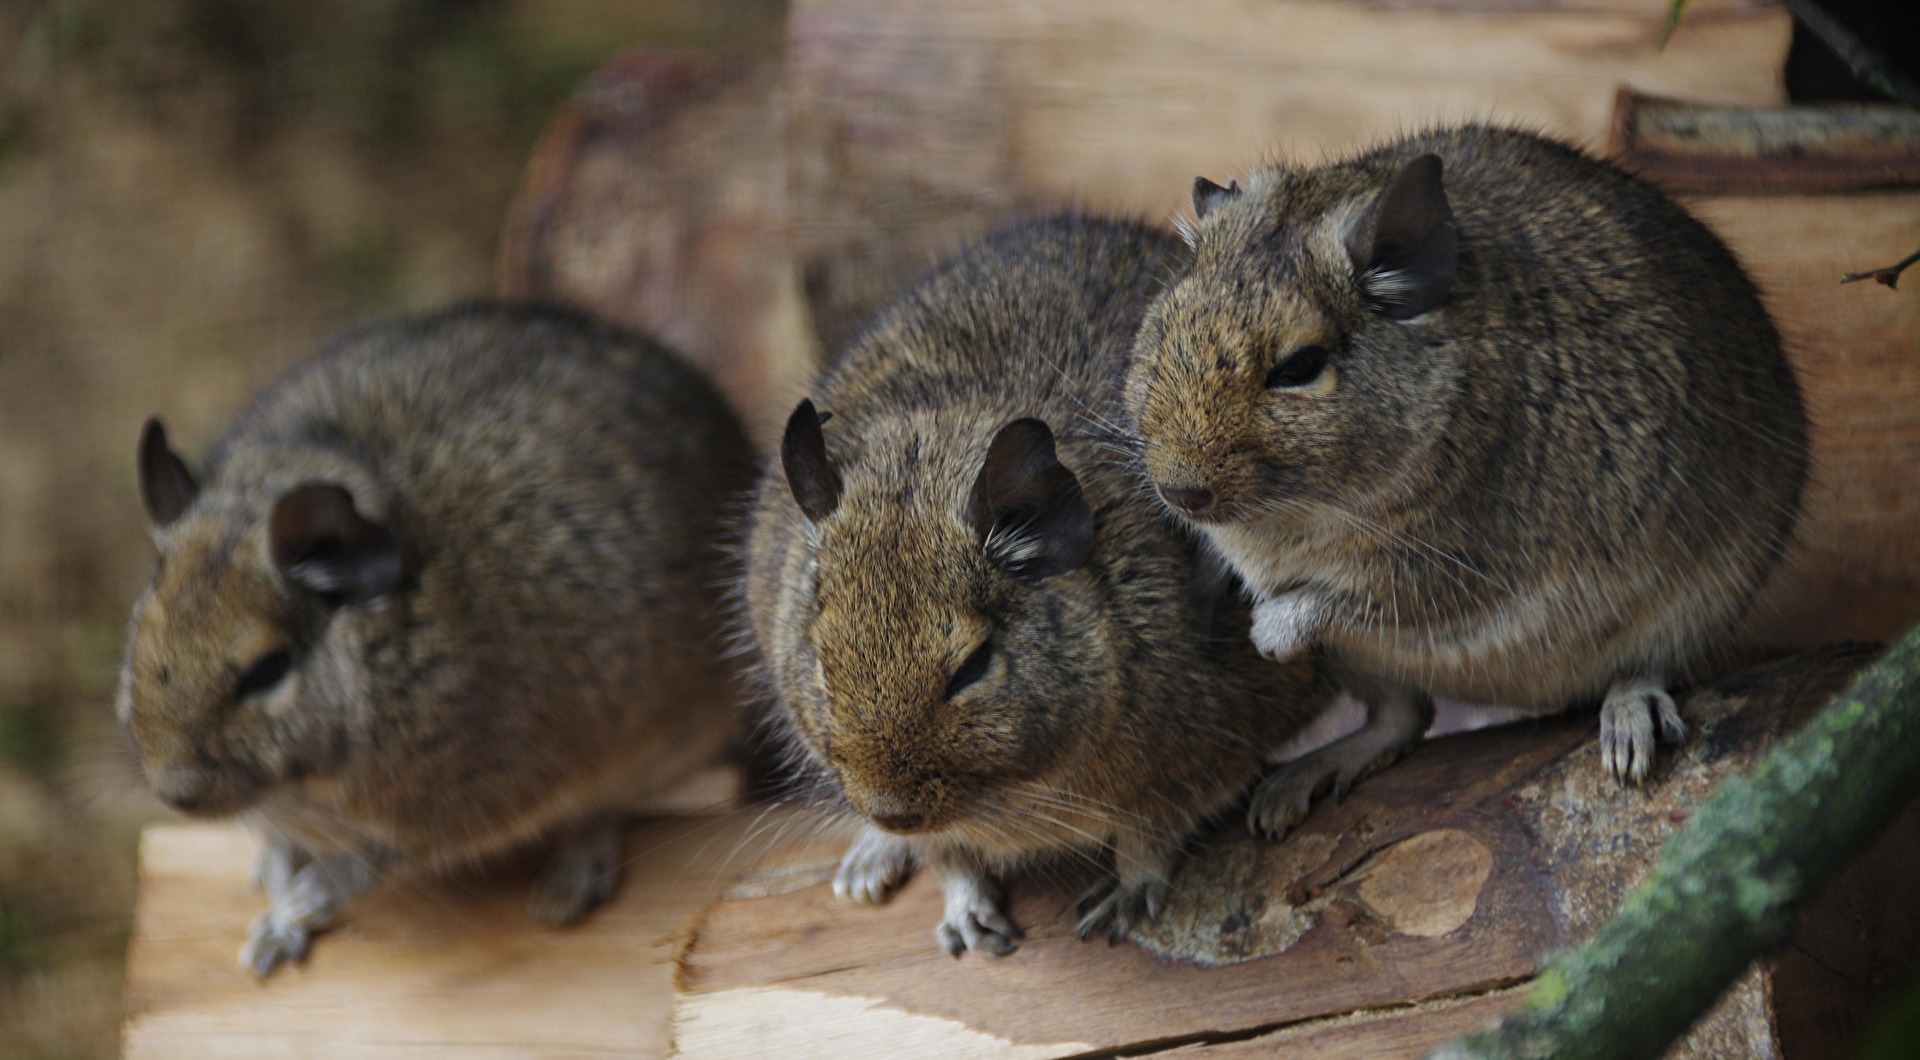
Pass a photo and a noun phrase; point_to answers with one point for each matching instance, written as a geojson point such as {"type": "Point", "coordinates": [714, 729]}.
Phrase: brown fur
{"type": "Point", "coordinates": [1573, 470]}
{"type": "Point", "coordinates": [555, 489]}
{"type": "Point", "coordinates": [1122, 703]}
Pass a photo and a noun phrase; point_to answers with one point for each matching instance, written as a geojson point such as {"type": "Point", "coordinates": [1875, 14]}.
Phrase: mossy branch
{"type": "Point", "coordinates": [1726, 886]}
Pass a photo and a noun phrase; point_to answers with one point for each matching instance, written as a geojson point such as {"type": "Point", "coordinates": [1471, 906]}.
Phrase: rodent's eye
{"type": "Point", "coordinates": [972, 670]}
{"type": "Point", "coordinates": [266, 672]}
{"type": "Point", "coordinates": [1299, 368]}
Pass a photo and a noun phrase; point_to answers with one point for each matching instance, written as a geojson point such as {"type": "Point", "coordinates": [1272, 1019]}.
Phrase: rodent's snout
{"type": "Point", "coordinates": [201, 792]}
{"type": "Point", "coordinates": [1192, 501]}
{"type": "Point", "coordinates": [1184, 474]}
{"type": "Point", "coordinates": [897, 813]}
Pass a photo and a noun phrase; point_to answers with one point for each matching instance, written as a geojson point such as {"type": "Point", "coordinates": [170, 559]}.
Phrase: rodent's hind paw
{"type": "Point", "coordinates": [583, 874]}
{"type": "Point", "coordinates": [1116, 909]}
{"type": "Point", "coordinates": [272, 943]}
{"type": "Point", "coordinates": [1628, 720]}
{"type": "Point", "coordinates": [872, 867]}
{"type": "Point", "coordinates": [1285, 795]}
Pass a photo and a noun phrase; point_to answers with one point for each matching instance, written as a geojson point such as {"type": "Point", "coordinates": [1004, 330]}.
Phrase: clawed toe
{"type": "Point", "coordinates": [1116, 909]}
{"type": "Point", "coordinates": [1628, 722]}
{"type": "Point", "coordinates": [1284, 796]}
{"type": "Point", "coordinates": [980, 930]}
{"type": "Point", "coordinates": [873, 867]}
{"type": "Point", "coordinates": [271, 944]}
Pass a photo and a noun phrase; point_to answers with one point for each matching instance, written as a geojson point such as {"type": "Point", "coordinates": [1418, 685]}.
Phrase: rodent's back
{"type": "Point", "coordinates": [996, 326]}
{"type": "Point", "coordinates": [1629, 397]}
{"type": "Point", "coordinates": [1585, 292]}
{"type": "Point", "coordinates": [560, 488]}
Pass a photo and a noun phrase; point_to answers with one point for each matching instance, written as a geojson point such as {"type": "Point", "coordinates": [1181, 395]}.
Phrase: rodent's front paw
{"type": "Point", "coordinates": [1116, 908]}
{"type": "Point", "coordinates": [1284, 625]}
{"type": "Point", "coordinates": [274, 866]}
{"type": "Point", "coordinates": [1627, 721]}
{"type": "Point", "coordinates": [582, 875]}
{"type": "Point", "coordinates": [975, 920]}
{"type": "Point", "coordinates": [874, 865]}
{"type": "Point", "coordinates": [272, 943]}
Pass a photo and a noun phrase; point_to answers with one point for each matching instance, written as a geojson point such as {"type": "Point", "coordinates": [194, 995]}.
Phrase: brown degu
{"type": "Point", "coordinates": [988, 642]}
{"type": "Point", "coordinates": [445, 589]}
{"type": "Point", "coordinates": [1484, 418]}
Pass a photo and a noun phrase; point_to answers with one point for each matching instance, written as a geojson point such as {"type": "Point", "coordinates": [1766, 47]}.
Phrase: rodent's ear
{"type": "Point", "coordinates": [1027, 507]}
{"type": "Point", "coordinates": [1405, 248]}
{"type": "Point", "coordinates": [803, 454]}
{"type": "Point", "coordinates": [1208, 196]}
{"type": "Point", "coordinates": [167, 488]}
{"type": "Point", "coordinates": [322, 543]}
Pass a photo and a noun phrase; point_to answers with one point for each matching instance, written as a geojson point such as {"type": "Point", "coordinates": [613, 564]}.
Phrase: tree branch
{"type": "Point", "coordinates": [1889, 275]}
{"type": "Point", "coordinates": [1868, 65]}
{"type": "Point", "coordinates": [1726, 885]}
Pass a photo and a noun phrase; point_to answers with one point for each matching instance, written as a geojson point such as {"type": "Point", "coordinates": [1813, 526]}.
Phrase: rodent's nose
{"type": "Point", "coordinates": [1193, 500]}
{"type": "Point", "coordinates": [201, 792]}
{"type": "Point", "coordinates": [898, 822]}
{"type": "Point", "coordinates": [183, 795]}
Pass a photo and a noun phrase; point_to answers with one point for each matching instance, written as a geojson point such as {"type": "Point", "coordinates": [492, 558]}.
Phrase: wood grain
{"type": "Point", "coordinates": [1691, 147]}
{"type": "Point", "coordinates": [913, 126]}
{"type": "Point", "coordinates": [1333, 935]}
{"type": "Point", "coordinates": [657, 199]}
{"type": "Point", "coordinates": [1855, 571]}
{"type": "Point", "coordinates": [451, 968]}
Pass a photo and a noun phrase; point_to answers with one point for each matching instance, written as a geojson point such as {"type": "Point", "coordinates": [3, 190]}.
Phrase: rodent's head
{"type": "Point", "coordinates": [954, 638]}
{"type": "Point", "coordinates": [228, 650]}
{"type": "Point", "coordinates": [1298, 361]}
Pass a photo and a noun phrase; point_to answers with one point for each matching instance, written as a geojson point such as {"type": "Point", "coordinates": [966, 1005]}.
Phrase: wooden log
{"type": "Point", "coordinates": [657, 199]}
{"type": "Point", "coordinates": [1382, 925]}
{"type": "Point", "coordinates": [914, 126]}
{"type": "Point", "coordinates": [1413, 911]}
{"type": "Point", "coordinates": [449, 968]}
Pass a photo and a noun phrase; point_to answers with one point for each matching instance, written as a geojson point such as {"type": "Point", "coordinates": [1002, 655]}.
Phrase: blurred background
{"type": "Point", "coordinates": [193, 193]}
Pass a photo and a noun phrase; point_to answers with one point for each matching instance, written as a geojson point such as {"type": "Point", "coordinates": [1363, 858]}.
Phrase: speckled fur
{"type": "Point", "coordinates": [557, 490]}
{"type": "Point", "coordinates": [1577, 468]}
{"type": "Point", "coordinates": [1124, 703]}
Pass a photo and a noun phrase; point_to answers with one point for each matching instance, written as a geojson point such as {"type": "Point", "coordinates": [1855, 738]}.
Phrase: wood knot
{"type": "Point", "coordinates": [1426, 885]}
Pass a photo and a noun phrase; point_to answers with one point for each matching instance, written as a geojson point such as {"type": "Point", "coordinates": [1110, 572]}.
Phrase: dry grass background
{"type": "Point", "coordinates": [193, 193]}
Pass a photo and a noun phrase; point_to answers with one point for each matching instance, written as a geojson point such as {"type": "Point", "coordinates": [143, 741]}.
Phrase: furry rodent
{"type": "Point", "coordinates": [444, 589]}
{"type": "Point", "coordinates": [986, 639]}
{"type": "Point", "coordinates": [1486, 418]}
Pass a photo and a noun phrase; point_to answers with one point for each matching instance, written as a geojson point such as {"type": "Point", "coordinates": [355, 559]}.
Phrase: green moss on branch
{"type": "Point", "coordinates": [1725, 887]}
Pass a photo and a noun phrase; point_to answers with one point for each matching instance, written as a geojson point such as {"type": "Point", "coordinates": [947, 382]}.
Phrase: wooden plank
{"type": "Point", "coordinates": [1439, 880]}
{"type": "Point", "coordinates": [1687, 146]}
{"type": "Point", "coordinates": [449, 968]}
